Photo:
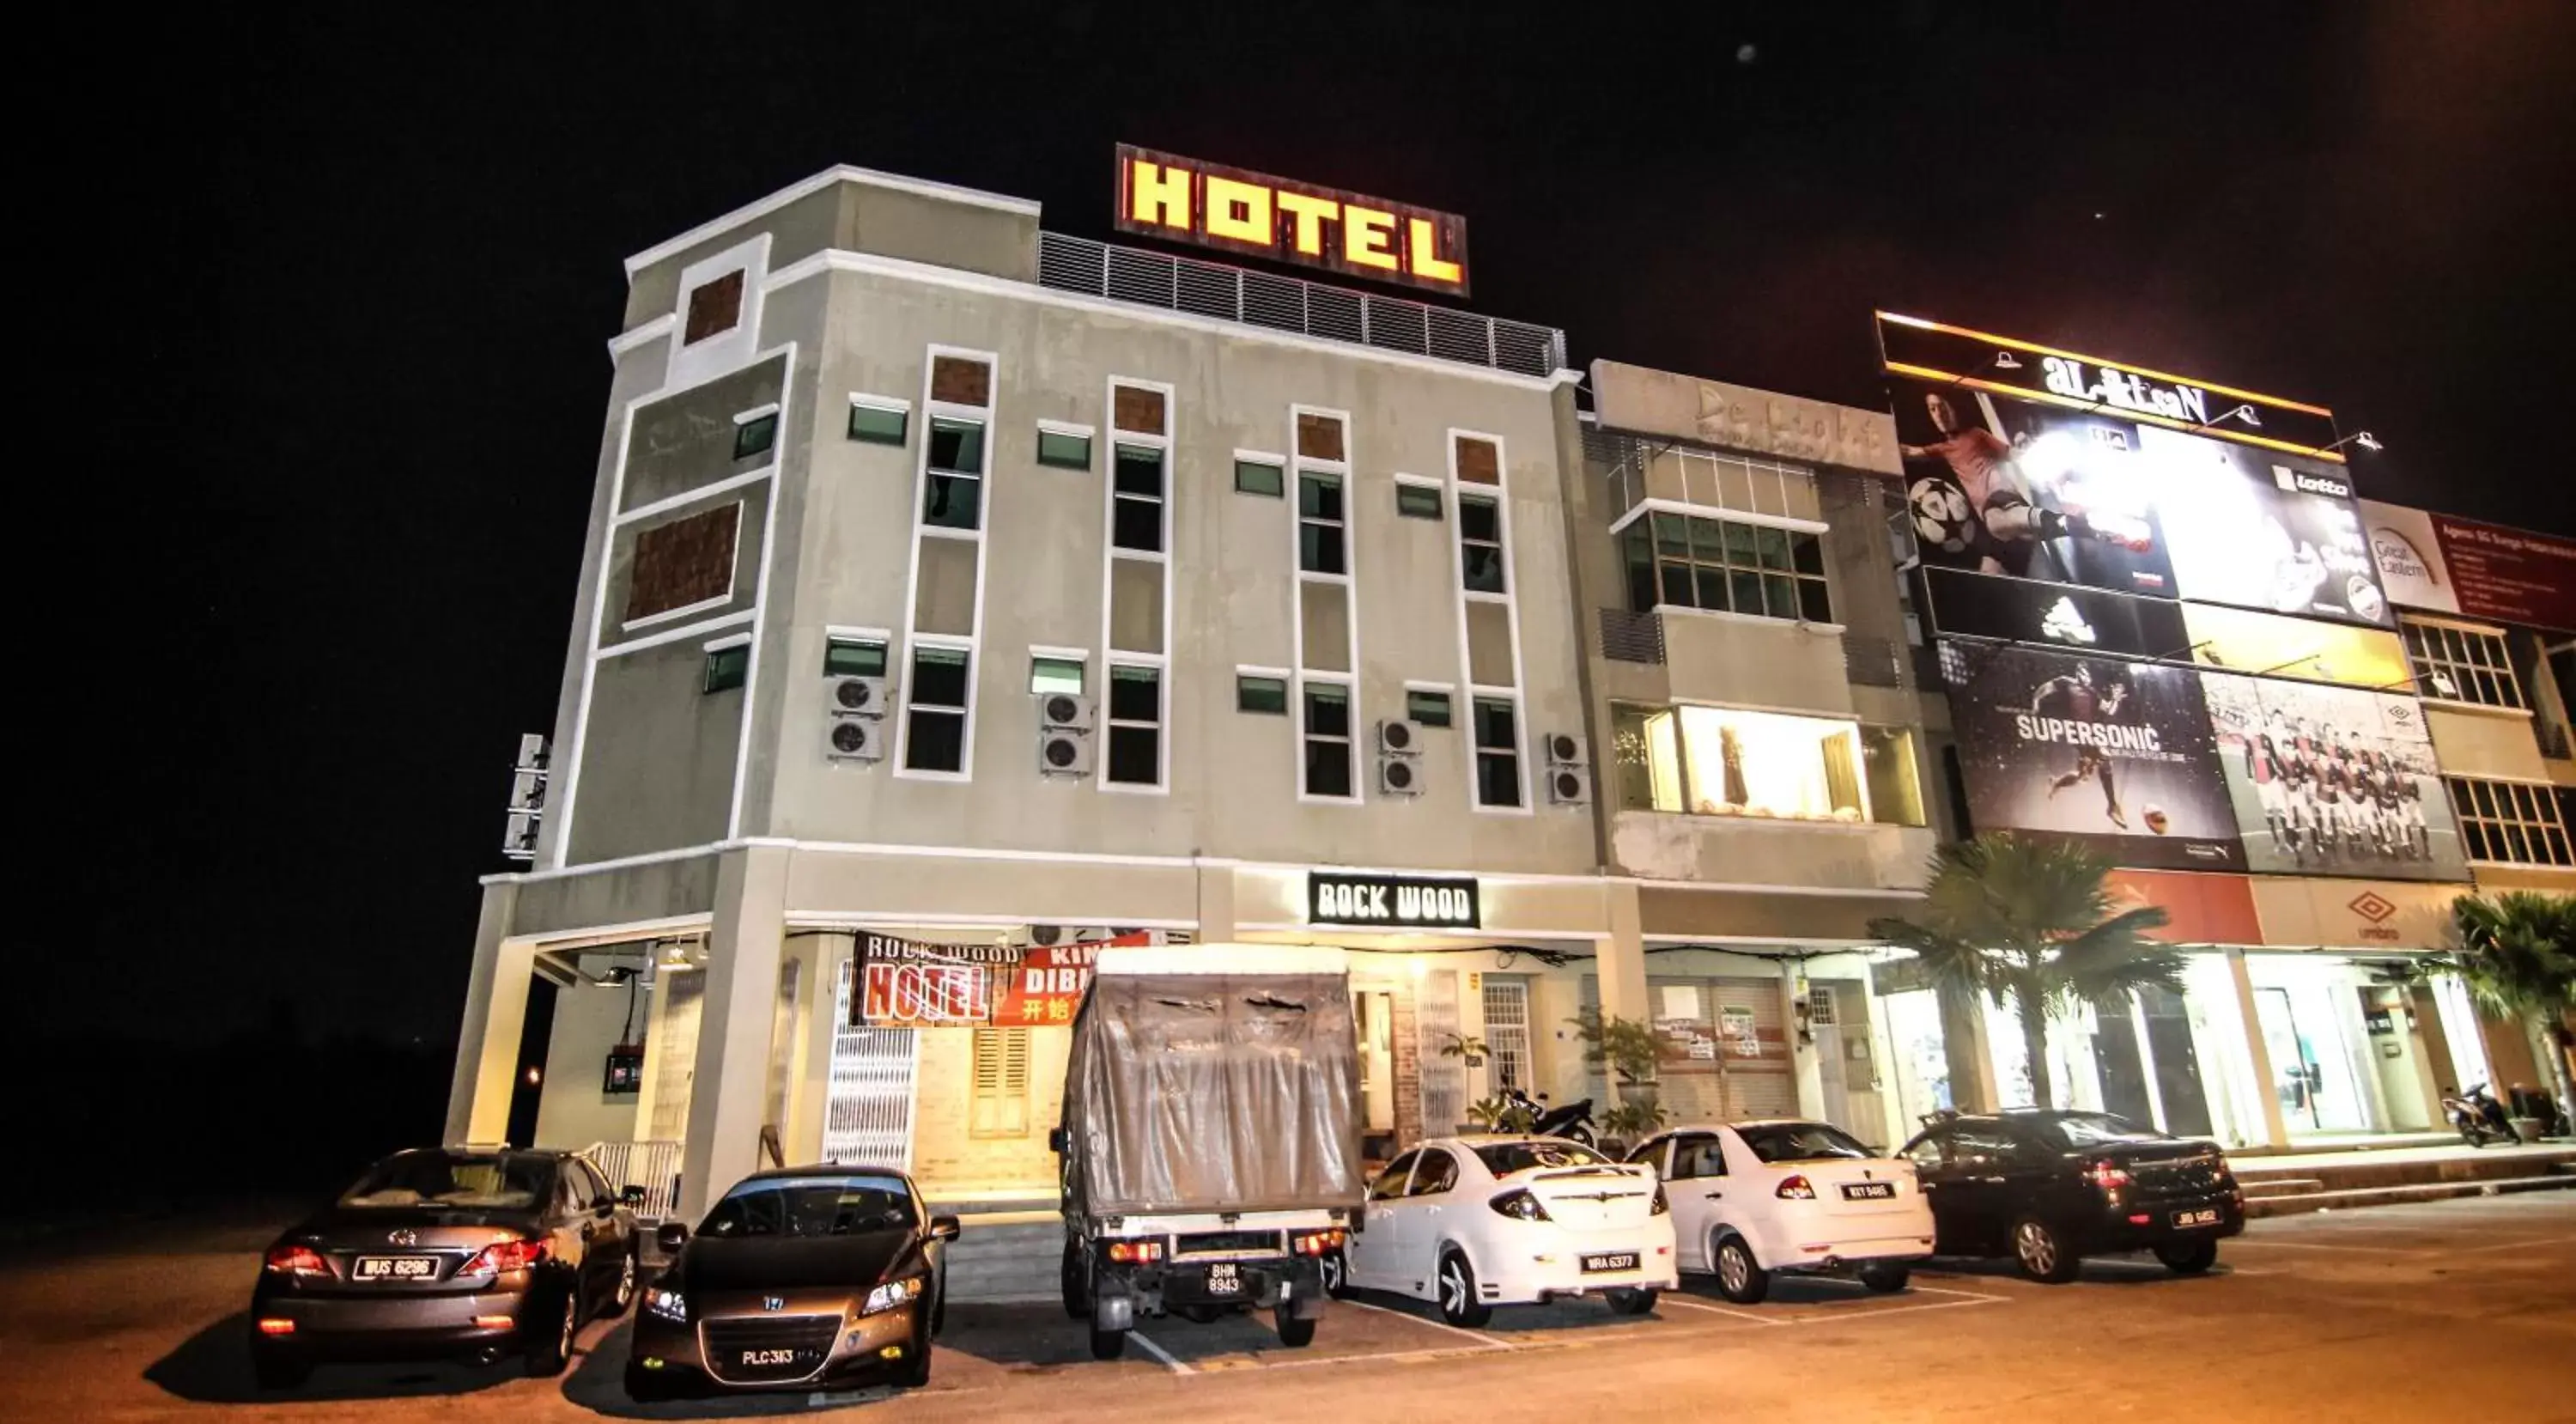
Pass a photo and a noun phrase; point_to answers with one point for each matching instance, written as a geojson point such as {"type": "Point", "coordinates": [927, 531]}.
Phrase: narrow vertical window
{"type": "Point", "coordinates": [1498, 753]}
{"type": "Point", "coordinates": [1480, 544]}
{"type": "Point", "coordinates": [1135, 726]}
{"type": "Point", "coordinates": [1320, 524]}
{"type": "Point", "coordinates": [1136, 514]}
{"type": "Point", "coordinates": [1328, 740]}
{"type": "Point", "coordinates": [935, 734]}
{"type": "Point", "coordinates": [953, 496]}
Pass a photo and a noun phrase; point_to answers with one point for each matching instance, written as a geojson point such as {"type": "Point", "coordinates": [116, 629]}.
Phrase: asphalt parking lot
{"type": "Point", "coordinates": [2446, 1310]}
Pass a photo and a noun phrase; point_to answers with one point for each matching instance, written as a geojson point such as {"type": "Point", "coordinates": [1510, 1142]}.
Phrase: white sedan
{"type": "Point", "coordinates": [1750, 1199]}
{"type": "Point", "coordinates": [1476, 1222]}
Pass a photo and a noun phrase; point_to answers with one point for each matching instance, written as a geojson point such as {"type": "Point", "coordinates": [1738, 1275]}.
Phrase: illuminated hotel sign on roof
{"type": "Point", "coordinates": [1977, 360]}
{"type": "Point", "coordinates": [1186, 200]}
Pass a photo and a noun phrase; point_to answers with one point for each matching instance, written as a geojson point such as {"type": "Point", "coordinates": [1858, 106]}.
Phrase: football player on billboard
{"type": "Point", "coordinates": [2073, 697]}
{"type": "Point", "coordinates": [1980, 506]}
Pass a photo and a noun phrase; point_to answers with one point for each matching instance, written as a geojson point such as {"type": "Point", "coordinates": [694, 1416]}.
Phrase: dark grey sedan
{"type": "Point", "coordinates": [476, 1253]}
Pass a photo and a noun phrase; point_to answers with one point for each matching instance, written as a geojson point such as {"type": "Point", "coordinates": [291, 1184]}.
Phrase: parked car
{"type": "Point", "coordinates": [2049, 1188]}
{"type": "Point", "coordinates": [1210, 1137]}
{"type": "Point", "coordinates": [461, 1251]}
{"type": "Point", "coordinates": [1476, 1222]}
{"type": "Point", "coordinates": [1753, 1199]}
{"type": "Point", "coordinates": [798, 1278]}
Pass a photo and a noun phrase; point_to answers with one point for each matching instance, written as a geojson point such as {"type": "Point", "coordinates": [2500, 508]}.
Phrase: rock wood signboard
{"type": "Point", "coordinates": [1393, 901]}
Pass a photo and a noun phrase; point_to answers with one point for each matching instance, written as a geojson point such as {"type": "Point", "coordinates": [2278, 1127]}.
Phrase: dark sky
{"type": "Point", "coordinates": [355, 273]}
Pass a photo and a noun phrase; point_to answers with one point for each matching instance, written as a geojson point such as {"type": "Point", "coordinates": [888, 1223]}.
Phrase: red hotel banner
{"type": "Point", "coordinates": [2510, 575]}
{"type": "Point", "coordinates": [1047, 987]}
{"type": "Point", "coordinates": [906, 984]}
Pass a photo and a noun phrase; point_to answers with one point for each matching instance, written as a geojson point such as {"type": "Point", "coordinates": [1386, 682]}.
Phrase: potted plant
{"type": "Point", "coordinates": [1630, 1122]}
{"type": "Point", "coordinates": [1466, 1046]}
{"type": "Point", "coordinates": [1499, 1115]}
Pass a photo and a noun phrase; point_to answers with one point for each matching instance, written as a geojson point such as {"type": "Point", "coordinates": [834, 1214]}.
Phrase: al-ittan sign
{"type": "Point", "coordinates": [1189, 200]}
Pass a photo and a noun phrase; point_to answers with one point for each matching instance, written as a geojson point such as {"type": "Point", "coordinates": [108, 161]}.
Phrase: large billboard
{"type": "Point", "coordinates": [2240, 640]}
{"type": "Point", "coordinates": [2332, 780]}
{"type": "Point", "coordinates": [2084, 620]}
{"type": "Point", "coordinates": [2115, 754]}
{"type": "Point", "coordinates": [2447, 565]}
{"type": "Point", "coordinates": [2261, 530]}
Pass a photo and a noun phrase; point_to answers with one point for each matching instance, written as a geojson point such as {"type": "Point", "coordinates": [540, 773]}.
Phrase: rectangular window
{"type": "Point", "coordinates": [879, 424]}
{"type": "Point", "coordinates": [1136, 726]}
{"type": "Point", "coordinates": [727, 668]}
{"type": "Point", "coordinates": [954, 496]}
{"type": "Point", "coordinates": [1259, 477]}
{"type": "Point", "coordinates": [1498, 753]}
{"type": "Point", "coordinates": [1001, 1083]}
{"type": "Point", "coordinates": [854, 657]}
{"type": "Point", "coordinates": [1726, 566]}
{"type": "Point", "coordinates": [713, 307]}
{"type": "Point", "coordinates": [1646, 749]}
{"type": "Point", "coordinates": [1417, 501]}
{"type": "Point", "coordinates": [1895, 790]}
{"type": "Point", "coordinates": [1507, 1030]}
{"type": "Point", "coordinates": [1431, 709]}
{"type": "Point", "coordinates": [2462, 665]}
{"type": "Point", "coordinates": [1064, 449]}
{"type": "Point", "coordinates": [1725, 761]}
{"type": "Point", "coordinates": [1055, 675]}
{"type": "Point", "coordinates": [935, 734]}
{"type": "Point", "coordinates": [755, 436]}
{"type": "Point", "coordinates": [1261, 694]}
{"type": "Point", "coordinates": [2511, 822]}
{"type": "Point", "coordinates": [1328, 740]}
{"type": "Point", "coordinates": [1480, 544]}
{"type": "Point", "coordinates": [1319, 524]}
{"type": "Point", "coordinates": [1136, 500]}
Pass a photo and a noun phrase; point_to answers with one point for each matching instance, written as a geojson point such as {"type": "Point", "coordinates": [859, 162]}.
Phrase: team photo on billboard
{"type": "Point", "coordinates": [2115, 754]}
{"type": "Point", "coordinates": [2332, 780]}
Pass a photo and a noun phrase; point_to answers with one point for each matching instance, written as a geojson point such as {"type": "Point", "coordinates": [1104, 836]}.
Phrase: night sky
{"type": "Point", "coordinates": [352, 276]}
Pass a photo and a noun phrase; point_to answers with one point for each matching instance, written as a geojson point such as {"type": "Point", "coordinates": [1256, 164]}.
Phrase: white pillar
{"type": "Point", "coordinates": [2276, 1128]}
{"type": "Point", "coordinates": [496, 1004]}
{"type": "Point", "coordinates": [1808, 1072]}
{"type": "Point", "coordinates": [727, 1096]}
{"type": "Point", "coordinates": [826, 959]}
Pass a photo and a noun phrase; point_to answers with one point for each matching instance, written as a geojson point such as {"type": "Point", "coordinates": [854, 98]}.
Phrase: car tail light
{"type": "Point", "coordinates": [274, 1325]}
{"type": "Point", "coordinates": [1661, 1206]}
{"type": "Point", "coordinates": [298, 1261]}
{"type": "Point", "coordinates": [1796, 1188]}
{"type": "Point", "coordinates": [503, 1256]}
{"type": "Point", "coordinates": [1136, 1252]}
{"type": "Point", "coordinates": [1315, 1243]}
{"type": "Point", "coordinates": [1520, 1205]}
{"type": "Point", "coordinates": [2108, 1175]}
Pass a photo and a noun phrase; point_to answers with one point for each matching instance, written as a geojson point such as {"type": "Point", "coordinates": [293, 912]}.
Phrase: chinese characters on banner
{"type": "Point", "coordinates": [908, 984]}
{"type": "Point", "coordinates": [1048, 985]}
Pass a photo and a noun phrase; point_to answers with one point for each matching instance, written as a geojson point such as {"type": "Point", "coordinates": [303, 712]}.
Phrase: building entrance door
{"type": "Point", "coordinates": [868, 1117]}
{"type": "Point", "coordinates": [1377, 1057]}
{"type": "Point", "coordinates": [2309, 1072]}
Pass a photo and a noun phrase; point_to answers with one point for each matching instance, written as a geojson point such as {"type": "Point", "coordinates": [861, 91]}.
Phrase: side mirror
{"type": "Point", "coordinates": [631, 1196]}
{"type": "Point", "coordinates": [671, 1236]}
{"type": "Point", "coordinates": [944, 1228]}
{"type": "Point", "coordinates": [601, 1204]}
{"type": "Point", "coordinates": [1057, 1138]}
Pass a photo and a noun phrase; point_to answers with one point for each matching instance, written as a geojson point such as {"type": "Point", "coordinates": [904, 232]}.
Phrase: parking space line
{"type": "Point", "coordinates": [1673, 1298]}
{"type": "Point", "coordinates": [1312, 1361]}
{"type": "Point", "coordinates": [1487, 1341]}
{"type": "Point", "coordinates": [1158, 1352]}
{"type": "Point", "coordinates": [2514, 1245]}
{"type": "Point", "coordinates": [1972, 1295]}
{"type": "Point", "coordinates": [2252, 1240]}
{"type": "Point", "coordinates": [1859, 1316]}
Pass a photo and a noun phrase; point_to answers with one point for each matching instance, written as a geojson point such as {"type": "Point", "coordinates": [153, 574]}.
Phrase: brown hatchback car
{"type": "Point", "coordinates": [798, 1278]}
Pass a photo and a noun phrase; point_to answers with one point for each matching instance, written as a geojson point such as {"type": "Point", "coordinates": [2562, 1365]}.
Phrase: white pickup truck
{"type": "Point", "coordinates": [1210, 1141]}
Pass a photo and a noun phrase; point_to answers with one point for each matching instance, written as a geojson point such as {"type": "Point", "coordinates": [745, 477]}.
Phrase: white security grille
{"type": "Point", "coordinates": [868, 1119]}
{"type": "Point", "coordinates": [1507, 1035]}
{"type": "Point", "coordinates": [1444, 1076]}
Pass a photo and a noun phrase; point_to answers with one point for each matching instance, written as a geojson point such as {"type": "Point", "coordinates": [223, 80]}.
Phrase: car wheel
{"type": "Point", "coordinates": [915, 1371]}
{"type": "Point", "coordinates": [274, 1370]}
{"type": "Point", "coordinates": [1077, 1296]}
{"type": "Point", "coordinates": [1107, 1344]}
{"type": "Point", "coordinates": [1631, 1302]}
{"type": "Point", "coordinates": [1740, 1278]}
{"type": "Point", "coordinates": [1459, 1303]}
{"type": "Point", "coordinates": [1885, 1279]}
{"type": "Point", "coordinates": [2041, 1254]}
{"type": "Point", "coordinates": [1294, 1333]}
{"type": "Point", "coordinates": [550, 1338]}
{"type": "Point", "coordinates": [2188, 1258]}
{"type": "Point", "coordinates": [645, 1386]}
{"type": "Point", "coordinates": [625, 1295]}
{"type": "Point", "coordinates": [1336, 1272]}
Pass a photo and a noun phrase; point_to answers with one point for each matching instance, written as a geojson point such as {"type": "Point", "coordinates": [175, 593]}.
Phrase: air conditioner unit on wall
{"type": "Point", "coordinates": [1399, 775]}
{"type": "Point", "coordinates": [855, 738]}
{"type": "Point", "coordinates": [858, 696]}
{"type": "Point", "coordinates": [1567, 749]}
{"type": "Point", "coordinates": [1398, 737]}
{"type": "Point", "coordinates": [1064, 712]}
{"type": "Point", "coordinates": [1064, 753]}
{"type": "Point", "coordinates": [1569, 785]}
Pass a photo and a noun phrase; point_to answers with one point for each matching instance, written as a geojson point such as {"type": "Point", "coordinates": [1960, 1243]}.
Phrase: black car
{"type": "Point", "coordinates": [447, 1251]}
{"type": "Point", "coordinates": [799, 1278]}
{"type": "Point", "coordinates": [2050, 1188]}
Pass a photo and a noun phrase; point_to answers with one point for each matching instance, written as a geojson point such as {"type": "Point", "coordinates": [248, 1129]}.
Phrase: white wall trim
{"type": "Point", "coordinates": [857, 635]}
{"type": "Point", "coordinates": [759, 607]}
{"type": "Point", "coordinates": [730, 640]}
{"type": "Point", "coordinates": [746, 417]}
{"type": "Point", "coordinates": [1652, 505]}
{"type": "Point", "coordinates": [668, 615]}
{"type": "Point", "coordinates": [686, 497]}
{"type": "Point", "coordinates": [1731, 616]}
{"type": "Point", "coordinates": [839, 173]}
{"type": "Point", "coordinates": [668, 635]}
{"type": "Point", "coordinates": [643, 335]}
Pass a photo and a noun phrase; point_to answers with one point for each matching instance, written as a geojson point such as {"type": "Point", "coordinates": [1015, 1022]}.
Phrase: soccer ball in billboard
{"type": "Point", "coordinates": [2154, 816]}
{"type": "Point", "coordinates": [1941, 516]}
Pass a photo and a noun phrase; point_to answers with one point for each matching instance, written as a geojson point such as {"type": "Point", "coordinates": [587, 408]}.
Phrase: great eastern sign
{"type": "Point", "coordinates": [1183, 199]}
{"type": "Point", "coordinates": [1395, 901]}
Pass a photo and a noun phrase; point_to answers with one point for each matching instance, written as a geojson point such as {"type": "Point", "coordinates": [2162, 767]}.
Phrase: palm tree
{"type": "Point", "coordinates": [2517, 953]}
{"type": "Point", "coordinates": [2031, 923]}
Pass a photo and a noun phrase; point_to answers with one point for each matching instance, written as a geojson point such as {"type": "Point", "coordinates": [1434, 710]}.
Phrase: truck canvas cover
{"type": "Point", "coordinates": [1213, 1090]}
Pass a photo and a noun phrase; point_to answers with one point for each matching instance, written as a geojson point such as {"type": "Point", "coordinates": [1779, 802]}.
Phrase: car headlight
{"type": "Point", "coordinates": [892, 1294]}
{"type": "Point", "coordinates": [670, 1305]}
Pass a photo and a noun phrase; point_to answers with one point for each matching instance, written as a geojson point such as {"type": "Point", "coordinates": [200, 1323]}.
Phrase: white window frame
{"type": "Point", "coordinates": [1428, 482]}
{"type": "Point", "coordinates": [1500, 543]}
{"type": "Point", "coordinates": [882, 640]}
{"type": "Point", "coordinates": [1076, 656]}
{"type": "Point", "coordinates": [1112, 656]}
{"type": "Point", "coordinates": [1087, 434]}
{"type": "Point", "coordinates": [864, 401]}
{"type": "Point", "coordinates": [1507, 1040]}
{"type": "Point", "coordinates": [1477, 751]}
{"type": "Point", "coordinates": [2424, 669]}
{"type": "Point", "coordinates": [1287, 680]}
{"type": "Point", "coordinates": [1509, 599]}
{"type": "Point", "coordinates": [972, 644]}
{"type": "Point", "coordinates": [2544, 795]}
{"type": "Point", "coordinates": [911, 680]}
{"type": "Point", "coordinates": [1274, 460]}
{"type": "Point", "coordinates": [1350, 738]}
{"type": "Point", "coordinates": [1445, 689]}
{"type": "Point", "coordinates": [1162, 725]}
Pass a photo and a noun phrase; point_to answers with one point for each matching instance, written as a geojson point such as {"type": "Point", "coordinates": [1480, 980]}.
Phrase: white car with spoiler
{"type": "Point", "coordinates": [1751, 1199]}
{"type": "Point", "coordinates": [1476, 1222]}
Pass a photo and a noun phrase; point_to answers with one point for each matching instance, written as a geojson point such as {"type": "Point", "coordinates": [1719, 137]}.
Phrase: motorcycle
{"type": "Point", "coordinates": [1572, 1121]}
{"type": "Point", "coordinates": [2478, 1116]}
